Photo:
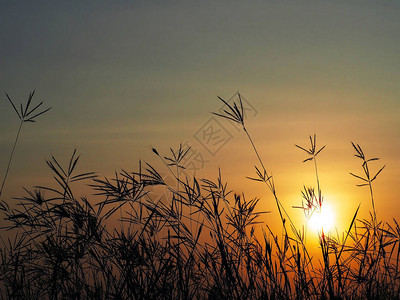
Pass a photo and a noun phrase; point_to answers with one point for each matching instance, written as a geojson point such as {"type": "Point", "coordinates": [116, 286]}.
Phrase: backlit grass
{"type": "Point", "coordinates": [198, 240]}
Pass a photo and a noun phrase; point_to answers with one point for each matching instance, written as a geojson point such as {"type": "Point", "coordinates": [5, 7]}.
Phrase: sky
{"type": "Point", "coordinates": [123, 77]}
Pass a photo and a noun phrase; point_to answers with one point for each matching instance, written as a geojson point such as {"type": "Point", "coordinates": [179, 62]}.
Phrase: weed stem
{"type": "Point", "coordinates": [11, 157]}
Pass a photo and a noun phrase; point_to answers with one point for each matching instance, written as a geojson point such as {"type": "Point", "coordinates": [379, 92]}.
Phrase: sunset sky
{"type": "Point", "coordinates": [122, 78]}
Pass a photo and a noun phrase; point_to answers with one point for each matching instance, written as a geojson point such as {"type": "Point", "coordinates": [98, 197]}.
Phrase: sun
{"type": "Point", "coordinates": [323, 220]}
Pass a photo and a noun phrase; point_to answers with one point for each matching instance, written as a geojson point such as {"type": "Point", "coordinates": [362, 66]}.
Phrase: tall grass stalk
{"type": "Point", "coordinates": [10, 159]}
{"type": "Point", "coordinates": [235, 113]}
{"type": "Point", "coordinates": [368, 179]}
{"type": "Point", "coordinates": [25, 114]}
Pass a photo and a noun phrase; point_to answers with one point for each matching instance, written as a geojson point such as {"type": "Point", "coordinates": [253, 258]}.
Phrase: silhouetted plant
{"type": "Point", "coordinates": [200, 240]}
{"type": "Point", "coordinates": [25, 114]}
{"type": "Point", "coordinates": [368, 178]}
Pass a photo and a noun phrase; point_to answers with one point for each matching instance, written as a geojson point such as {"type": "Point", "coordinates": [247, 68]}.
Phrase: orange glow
{"type": "Point", "coordinates": [323, 220]}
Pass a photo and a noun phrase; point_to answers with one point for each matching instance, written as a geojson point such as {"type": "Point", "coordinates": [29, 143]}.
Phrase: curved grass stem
{"type": "Point", "coordinates": [11, 157]}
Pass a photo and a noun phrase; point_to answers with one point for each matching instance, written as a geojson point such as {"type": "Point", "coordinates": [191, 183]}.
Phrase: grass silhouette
{"type": "Point", "coordinates": [26, 114]}
{"type": "Point", "coordinates": [198, 241]}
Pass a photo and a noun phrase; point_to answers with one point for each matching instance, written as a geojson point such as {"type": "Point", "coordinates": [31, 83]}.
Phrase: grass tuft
{"type": "Point", "coordinates": [187, 238]}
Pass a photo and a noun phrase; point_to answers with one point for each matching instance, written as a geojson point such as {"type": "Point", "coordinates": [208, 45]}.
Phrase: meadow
{"type": "Point", "coordinates": [198, 240]}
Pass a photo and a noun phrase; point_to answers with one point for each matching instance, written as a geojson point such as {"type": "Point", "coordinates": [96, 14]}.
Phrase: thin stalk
{"type": "Point", "coordinates": [179, 208]}
{"type": "Point", "coordinates": [278, 203]}
{"type": "Point", "coordinates": [366, 171]}
{"type": "Point", "coordinates": [254, 147]}
{"type": "Point", "coordinates": [316, 175]}
{"type": "Point", "coordinates": [324, 243]}
{"type": "Point", "coordinates": [280, 206]}
{"type": "Point", "coordinates": [271, 187]}
{"type": "Point", "coordinates": [11, 157]}
{"type": "Point", "coordinates": [372, 200]}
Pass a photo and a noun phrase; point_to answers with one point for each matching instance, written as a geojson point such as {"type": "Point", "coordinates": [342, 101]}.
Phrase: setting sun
{"type": "Point", "coordinates": [325, 219]}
